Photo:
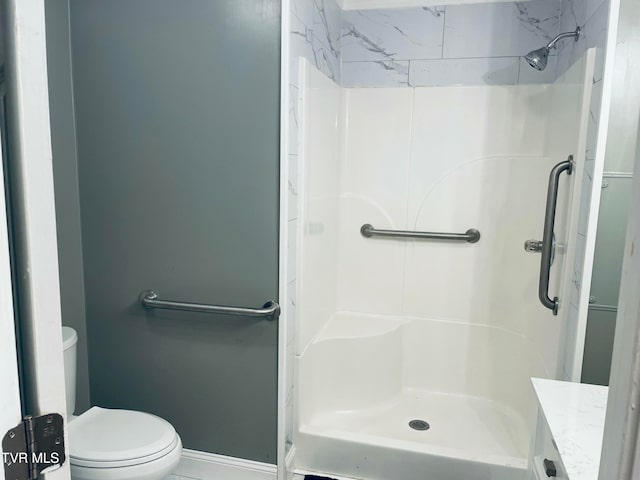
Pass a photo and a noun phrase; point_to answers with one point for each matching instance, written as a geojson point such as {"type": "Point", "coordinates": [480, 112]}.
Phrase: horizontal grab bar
{"type": "Point", "coordinates": [471, 236]}
{"type": "Point", "coordinates": [150, 299]}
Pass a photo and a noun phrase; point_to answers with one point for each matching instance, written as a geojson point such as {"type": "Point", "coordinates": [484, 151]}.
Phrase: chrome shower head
{"type": "Point", "coordinates": [538, 58]}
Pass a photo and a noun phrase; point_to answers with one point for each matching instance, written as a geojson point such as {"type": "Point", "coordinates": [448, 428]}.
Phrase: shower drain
{"type": "Point", "coordinates": [419, 425]}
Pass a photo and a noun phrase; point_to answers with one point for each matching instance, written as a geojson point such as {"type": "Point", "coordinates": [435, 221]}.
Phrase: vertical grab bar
{"type": "Point", "coordinates": [547, 238]}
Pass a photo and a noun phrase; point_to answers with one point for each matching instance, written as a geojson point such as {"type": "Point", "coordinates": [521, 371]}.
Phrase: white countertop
{"type": "Point", "coordinates": [575, 414]}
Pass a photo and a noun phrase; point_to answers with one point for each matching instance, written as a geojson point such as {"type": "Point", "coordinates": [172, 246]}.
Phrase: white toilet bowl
{"type": "Point", "coordinates": [112, 444]}
{"type": "Point", "coordinates": [109, 444]}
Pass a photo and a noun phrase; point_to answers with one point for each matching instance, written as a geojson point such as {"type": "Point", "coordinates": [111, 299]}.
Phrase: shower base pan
{"type": "Point", "coordinates": [467, 437]}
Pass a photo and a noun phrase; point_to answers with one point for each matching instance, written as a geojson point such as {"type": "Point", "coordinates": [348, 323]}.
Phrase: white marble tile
{"type": "Point", "coordinates": [529, 75]}
{"type": "Point", "coordinates": [292, 301]}
{"type": "Point", "coordinates": [575, 413]}
{"type": "Point", "coordinates": [464, 71]}
{"type": "Point", "coordinates": [580, 246]}
{"type": "Point", "coordinates": [591, 6]}
{"type": "Point", "coordinates": [594, 117]}
{"type": "Point", "coordinates": [327, 23]}
{"type": "Point", "coordinates": [397, 34]}
{"type": "Point", "coordinates": [303, 43]}
{"type": "Point", "coordinates": [568, 53]}
{"type": "Point", "coordinates": [499, 29]}
{"type": "Point", "coordinates": [291, 375]}
{"type": "Point", "coordinates": [585, 207]}
{"type": "Point", "coordinates": [380, 73]}
{"type": "Point", "coordinates": [570, 336]}
{"type": "Point", "coordinates": [598, 70]}
{"type": "Point", "coordinates": [289, 422]}
{"type": "Point", "coordinates": [572, 14]}
{"type": "Point", "coordinates": [304, 10]}
{"type": "Point", "coordinates": [292, 187]}
{"type": "Point", "coordinates": [595, 29]}
{"type": "Point", "coordinates": [594, 34]}
{"type": "Point", "coordinates": [575, 13]}
{"type": "Point", "coordinates": [291, 257]}
{"type": "Point", "coordinates": [293, 119]}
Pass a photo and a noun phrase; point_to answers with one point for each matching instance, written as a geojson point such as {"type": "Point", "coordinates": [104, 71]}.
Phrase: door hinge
{"type": "Point", "coordinates": [33, 447]}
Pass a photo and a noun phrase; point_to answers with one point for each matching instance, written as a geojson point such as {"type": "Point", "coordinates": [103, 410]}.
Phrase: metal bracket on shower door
{"type": "Point", "coordinates": [547, 245]}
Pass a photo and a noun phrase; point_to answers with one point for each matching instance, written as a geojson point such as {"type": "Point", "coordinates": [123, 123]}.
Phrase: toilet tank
{"type": "Point", "coordinates": [69, 345]}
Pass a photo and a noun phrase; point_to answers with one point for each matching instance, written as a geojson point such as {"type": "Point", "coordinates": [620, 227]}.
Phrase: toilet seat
{"type": "Point", "coordinates": [108, 438]}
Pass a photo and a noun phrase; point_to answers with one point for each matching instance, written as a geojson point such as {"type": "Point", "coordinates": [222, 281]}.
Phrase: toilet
{"type": "Point", "coordinates": [113, 444]}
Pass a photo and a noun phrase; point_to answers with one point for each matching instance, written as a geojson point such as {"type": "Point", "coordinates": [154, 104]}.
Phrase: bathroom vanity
{"type": "Point", "coordinates": [568, 436]}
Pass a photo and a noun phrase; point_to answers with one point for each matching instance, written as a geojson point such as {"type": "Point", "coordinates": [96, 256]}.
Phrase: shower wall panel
{"type": "Point", "coordinates": [446, 160]}
{"type": "Point", "coordinates": [373, 189]}
{"type": "Point", "coordinates": [177, 107]}
{"type": "Point", "coordinates": [413, 158]}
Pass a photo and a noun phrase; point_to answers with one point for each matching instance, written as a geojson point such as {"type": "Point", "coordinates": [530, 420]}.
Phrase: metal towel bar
{"type": "Point", "coordinates": [471, 236]}
{"type": "Point", "coordinates": [150, 299]}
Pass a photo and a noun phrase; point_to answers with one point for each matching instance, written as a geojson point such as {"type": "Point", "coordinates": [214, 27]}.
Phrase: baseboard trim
{"type": "Point", "coordinates": [210, 466]}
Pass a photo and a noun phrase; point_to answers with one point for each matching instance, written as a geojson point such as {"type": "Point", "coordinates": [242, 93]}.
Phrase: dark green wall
{"type": "Point", "coordinates": [177, 113]}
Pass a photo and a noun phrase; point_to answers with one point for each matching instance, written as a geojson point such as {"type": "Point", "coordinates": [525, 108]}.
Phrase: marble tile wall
{"type": "Point", "coordinates": [471, 44]}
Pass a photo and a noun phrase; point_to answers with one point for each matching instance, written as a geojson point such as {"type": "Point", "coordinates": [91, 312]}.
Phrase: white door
{"type": "Point", "coordinates": [34, 256]}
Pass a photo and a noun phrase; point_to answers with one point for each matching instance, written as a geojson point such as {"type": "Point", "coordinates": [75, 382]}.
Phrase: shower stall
{"type": "Point", "coordinates": [423, 301]}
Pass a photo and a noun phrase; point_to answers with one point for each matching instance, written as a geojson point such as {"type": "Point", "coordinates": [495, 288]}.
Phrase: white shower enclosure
{"type": "Point", "coordinates": [443, 334]}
